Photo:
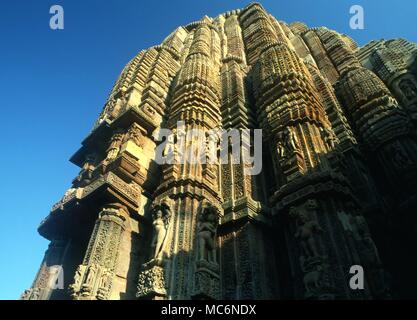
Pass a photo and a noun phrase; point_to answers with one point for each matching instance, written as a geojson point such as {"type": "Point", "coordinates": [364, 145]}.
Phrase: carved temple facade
{"type": "Point", "coordinates": [337, 186]}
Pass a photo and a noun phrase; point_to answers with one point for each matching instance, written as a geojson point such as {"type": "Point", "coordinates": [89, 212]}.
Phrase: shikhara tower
{"type": "Point", "coordinates": [338, 185]}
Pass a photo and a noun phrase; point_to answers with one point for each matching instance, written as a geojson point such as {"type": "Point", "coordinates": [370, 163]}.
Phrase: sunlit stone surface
{"type": "Point", "coordinates": [337, 187]}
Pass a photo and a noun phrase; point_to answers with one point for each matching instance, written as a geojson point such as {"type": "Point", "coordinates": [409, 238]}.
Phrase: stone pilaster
{"type": "Point", "coordinates": [51, 273]}
{"type": "Point", "coordinates": [93, 278]}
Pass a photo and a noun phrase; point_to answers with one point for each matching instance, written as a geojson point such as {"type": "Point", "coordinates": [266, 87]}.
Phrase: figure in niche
{"type": "Point", "coordinates": [206, 233]}
{"type": "Point", "coordinates": [90, 275]}
{"type": "Point", "coordinates": [161, 217]}
{"type": "Point", "coordinates": [169, 150]}
{"type": "Point", "coordinates": [107, 110]}
{"type": "Point", "coordinates": [307, 228]}
{"type": "Point", "coordinates": [77, 278]}
{"type": "Point", "coordinates": [329, 138]}
{"type": "Point", "coordinates": [180, 142]}
{"type": "Point", "coordinates": [290, 140]}
{"type": "Point", "coordinates": [104, 280]}
{"type": "Point", "coordinates": [212, 146]}
{"type": "Point", "coordinates": [118, 106]}
{"type": "Point", "coordinates": [114, 148]}
{"type": "Point", "coordinates": [134, 134]}
{"type": "Point", "coordinates": [86, 172]}
{"type": "Point", "coordinates": [280, 147]}
{"type": "Point", "coordinates": [408, 88]}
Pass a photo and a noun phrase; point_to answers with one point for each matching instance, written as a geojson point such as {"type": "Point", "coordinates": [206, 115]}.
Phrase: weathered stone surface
{"type": "Point", "coordinates": [337, 188]}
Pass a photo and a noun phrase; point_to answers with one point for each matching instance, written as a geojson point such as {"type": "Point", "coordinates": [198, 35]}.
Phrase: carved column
{"type": "Point", "coordinates": [384, 128]}
{"type": "Point", "coordinates": [310, 186]}
{"type": "Point", "coordinates": [194, 111]}
{"type": "Point", "coordinates": [48, 277]}
{"type": "Point", "coordinates": [93, 278]}
{"type": "Point", "coordinates": [244, 228]}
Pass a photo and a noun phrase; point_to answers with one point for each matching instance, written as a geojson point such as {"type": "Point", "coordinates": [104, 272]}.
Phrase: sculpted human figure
{"type": "Point", "coordinates": [118, 106]}
{"type": "Point", "coordinates": [306, 230]}
{"type": "Point", "coordinates": [75, 286]}
{"type": "Point", "coordinates": [114, 148]}
{"type": "Point", "coordinates": [207, 233]}
{"type": "Point", "coordinates": [180, 143]}
{"type": "Point", "coordinates": [161, 217]}
{"type": "Point", "coordinates": [89, 162]}
{"type": "Point", "coordinates": [107, 111]}
{"type": "Point", "coordinates": [212, 146]}
{"type": "Point", "coordinates": [77, 277]}
{"type": "Point", "coordinates": [90, 275]}
{"type": "Point", "coordinates": [280, 146]}
{"type": "Point", "coordinates": [290, 140]}
{"type": "Point", "coordinates": [85, 174]}
{"type": "Point", "coordinates": [135, 135]}
{"type": "Point", "coordinates": [104, 280]}
{"type": "Point", "coordinates": [328, 137]}
{"type": "Point", "coordinates": [169, 150]}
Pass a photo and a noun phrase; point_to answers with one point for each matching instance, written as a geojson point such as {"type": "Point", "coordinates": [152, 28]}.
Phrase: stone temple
{"type": "Point", "coordinates": [337, 186]}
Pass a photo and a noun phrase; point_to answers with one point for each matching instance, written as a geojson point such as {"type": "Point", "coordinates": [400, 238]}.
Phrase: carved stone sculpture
{"type": "Point", "coordinates": [206, 235]}
{"type": "Point", "coordinates": [114, 148]}
{"type": "Point", "coordinates": [307, 228]}
{"type": "Point", "coordinates": [119, 106]}
{"type": "Point", "coordinates": [91, 273]}
{"type": "Point", "coordinates": [280, 149]}
{"type": "Point", "coordinates": [135, 134]}
{"type": "Point", "coordinates": [77, 276]}
{"type": "Point", "coordinates": [291, 142]}
{"type": "Point", "coordinates": [161, 215]}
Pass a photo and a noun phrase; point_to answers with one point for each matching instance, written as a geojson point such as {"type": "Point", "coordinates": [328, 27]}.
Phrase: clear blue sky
{"type": "Point", "coordinates": [53, 85]}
